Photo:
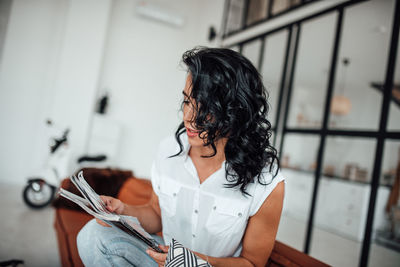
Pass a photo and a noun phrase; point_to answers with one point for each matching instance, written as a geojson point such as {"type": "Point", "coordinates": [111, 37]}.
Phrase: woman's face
{"type": "Point", "coordinates": [189, 115]}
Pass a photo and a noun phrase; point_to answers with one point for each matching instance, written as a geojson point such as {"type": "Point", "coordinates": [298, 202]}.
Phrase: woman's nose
{"type": "Point", "coordinates": [187, 113]}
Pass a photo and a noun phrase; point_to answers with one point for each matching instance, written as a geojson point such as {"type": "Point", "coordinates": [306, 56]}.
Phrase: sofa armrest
{"type": "Point", "coordinates": [135, 191]}
{"type": "Point", "coordinates": [284, 255]}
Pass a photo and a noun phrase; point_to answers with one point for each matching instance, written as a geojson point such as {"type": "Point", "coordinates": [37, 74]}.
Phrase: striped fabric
{"type": "Point", "coordinates": [179, 256]}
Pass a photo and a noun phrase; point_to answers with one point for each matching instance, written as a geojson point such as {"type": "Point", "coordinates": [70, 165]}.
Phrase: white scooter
{"type": "Point", "coordinates": [40, 191]}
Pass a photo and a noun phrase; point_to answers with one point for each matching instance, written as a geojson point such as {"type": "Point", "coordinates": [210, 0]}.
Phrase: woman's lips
{"type": "Point", "coordinates": [191, 133]}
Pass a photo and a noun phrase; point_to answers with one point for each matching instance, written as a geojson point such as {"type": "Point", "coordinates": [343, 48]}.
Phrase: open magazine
{"type": "Point", "coordinates": [93, 205]}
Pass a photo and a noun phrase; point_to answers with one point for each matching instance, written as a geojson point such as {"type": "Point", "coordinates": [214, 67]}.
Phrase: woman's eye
{"type": "Point", "coordinates": [186, 102]}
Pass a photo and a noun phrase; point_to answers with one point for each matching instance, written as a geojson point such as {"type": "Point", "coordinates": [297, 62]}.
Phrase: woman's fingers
{"type": "Point", "coordinates": [113, 204]}
{"type": "Point", "coordinates": [106, 200]}
{"type": "Point", "coordinates": [164, 248]}
{"type": "Point", "coordinates": [158, 257]}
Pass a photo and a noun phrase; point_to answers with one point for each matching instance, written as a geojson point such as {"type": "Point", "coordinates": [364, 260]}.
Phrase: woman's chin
{"type": "Point", "coordinates": [195, 141]}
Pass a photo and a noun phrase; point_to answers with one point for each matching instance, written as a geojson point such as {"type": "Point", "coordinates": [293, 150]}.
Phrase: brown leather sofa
{"type": "Point", "coordinates": [136, 191]}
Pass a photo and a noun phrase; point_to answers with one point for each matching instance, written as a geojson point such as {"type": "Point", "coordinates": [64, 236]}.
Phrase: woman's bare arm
{"type": "Point", "coordinates": [149, 215]}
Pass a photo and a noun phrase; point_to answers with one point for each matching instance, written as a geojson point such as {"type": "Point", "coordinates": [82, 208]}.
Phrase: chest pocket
{"type": "Point", "coordinates": [227, 216]}
{"type": "Point", "coordinates": [168, 197]}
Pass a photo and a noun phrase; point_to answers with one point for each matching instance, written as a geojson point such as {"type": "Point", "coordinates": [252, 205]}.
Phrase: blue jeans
{"type": "Point", "coordinates": [106, 246]}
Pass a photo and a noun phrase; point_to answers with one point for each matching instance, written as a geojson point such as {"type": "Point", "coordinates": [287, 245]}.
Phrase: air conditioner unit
{"type": "Point", "coordinates": [160, 14]}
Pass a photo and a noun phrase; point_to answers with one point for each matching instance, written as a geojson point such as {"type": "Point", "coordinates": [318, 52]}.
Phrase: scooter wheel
{"type": "Point", "coordinates": [38, 195]}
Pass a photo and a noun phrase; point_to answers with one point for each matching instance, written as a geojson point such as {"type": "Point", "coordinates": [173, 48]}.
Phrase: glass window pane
{"type": "Point", "coordinates": [298, 169]}
{"type": "Point", "coordinates": [350, 158]}
{"type": "Point", "coordinates": [234, 16]}
{"type": "Point", "coordinates": [394, 116]}
{"type": "Point", "coordinates": [272, 68]}
{"type": "Point", "coordinates": [257, 11]}
{"type": "Point", "coordinates": [342, 200]}
{"type": "Point", "coordinates": [394, 110]}
{"type": "Point", "coordinates": [385, 246]}
{"type": "Point", "coordinates": [279, 6]}
{"type": "Point", "coordinates": [312, 72]}
{"type": "Point", "coordinates": [391, 157]}
{"type": "Point", "coordinates": [362, 59]}
{"type": "Point", "coordinates": [273, 138]}
{"type": "Point", "coordinates": [252, 51]}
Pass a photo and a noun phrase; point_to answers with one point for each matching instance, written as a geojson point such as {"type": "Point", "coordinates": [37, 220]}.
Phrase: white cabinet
{"type": "Point", "coordinates": [298, 194]}
{"type": "Point", "coordinates": [341, 206]}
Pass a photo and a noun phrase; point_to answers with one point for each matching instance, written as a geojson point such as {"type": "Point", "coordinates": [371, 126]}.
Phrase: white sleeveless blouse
{"type": "Point", "coordinates": [207, 218]}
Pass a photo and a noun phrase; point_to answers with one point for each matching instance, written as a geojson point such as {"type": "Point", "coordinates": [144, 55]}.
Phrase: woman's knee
{"type": "Point", "coordinates": [98, 245]}
{"type": "Point", "coordinates": [89, 236]}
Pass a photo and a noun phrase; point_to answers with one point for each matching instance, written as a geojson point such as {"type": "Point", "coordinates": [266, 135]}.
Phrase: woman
{"type": "Point", "coordinates": [217, 186]}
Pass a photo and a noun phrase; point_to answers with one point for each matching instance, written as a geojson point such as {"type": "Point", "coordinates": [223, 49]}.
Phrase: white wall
{"type": "Point", "coordinates": [59, 54]}
{"type": "Point", "coordinates": [27, 69]}
{"type": "Point", "coordinates": [141, 72]}
{"type": "Point", "coordinates": [79, 66]}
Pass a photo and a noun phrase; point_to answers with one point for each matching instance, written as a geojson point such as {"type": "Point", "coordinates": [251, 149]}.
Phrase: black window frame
{"type": "Point", "coordinates": [380, 135]}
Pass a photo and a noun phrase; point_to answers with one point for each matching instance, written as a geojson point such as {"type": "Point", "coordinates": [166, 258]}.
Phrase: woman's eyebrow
{"type": "Point", "coordinates": [183, 92]}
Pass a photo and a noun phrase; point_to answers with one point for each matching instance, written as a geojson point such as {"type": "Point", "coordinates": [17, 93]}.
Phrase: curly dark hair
{"type": "Point", "coordinates": [231, 101]}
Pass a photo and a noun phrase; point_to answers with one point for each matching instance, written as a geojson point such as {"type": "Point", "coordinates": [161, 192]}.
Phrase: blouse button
{"type": "Point", "coordinates": [196, 211]}
{"type": "Point", "coordinates": [240, 214]}
{"type": "Point", "coordinates": [193, 235]}
{"type": "Point", "coordinates": [174, 194]}
{"type": "Point", "coordinates": [215, 207]}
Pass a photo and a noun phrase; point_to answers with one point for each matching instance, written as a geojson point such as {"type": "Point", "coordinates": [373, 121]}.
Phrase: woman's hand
{"type": "Point", "coordinates": [113, 205]}
{"type": "Point", "coordinates": [159, 257]}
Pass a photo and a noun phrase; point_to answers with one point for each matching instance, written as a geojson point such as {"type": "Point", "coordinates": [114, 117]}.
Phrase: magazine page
{"type": "Point", "coordinates": [88, 193]}
{"type": "Point", "coordinates": [93, 204]}
{"type": "Point", "coordinates": [86, 206]}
